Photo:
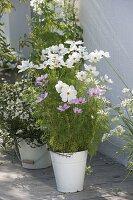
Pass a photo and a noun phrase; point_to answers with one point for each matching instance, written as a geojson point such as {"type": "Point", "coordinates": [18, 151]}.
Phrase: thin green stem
{"type": "Point", "coordinates": [117, 73]}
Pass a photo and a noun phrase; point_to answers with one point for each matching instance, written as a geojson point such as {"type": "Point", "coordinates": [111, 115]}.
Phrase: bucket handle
{"type": "Point", "coordinates": [30, 162]}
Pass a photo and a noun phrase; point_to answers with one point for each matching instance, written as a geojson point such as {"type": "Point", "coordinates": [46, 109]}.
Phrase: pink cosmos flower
{"type": "Point", "coordinates": [77, 110]}
{"type": "Point", "coordinates": [95, 92]}
{"type": "Point", "coordinates": [42, 80]}
{"type": "Point", "coordinates": [41, 97]}
{"type": "Point", "coordinates": [80, 100]}
{"type": "Point", "coordinates": [63, 108]}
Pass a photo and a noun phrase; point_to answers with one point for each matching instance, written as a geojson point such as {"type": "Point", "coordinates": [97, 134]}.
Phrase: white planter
{"type": "Point", "coordinates": [34, 158]}
{"type": "Point", "coordinates": [69, 170]}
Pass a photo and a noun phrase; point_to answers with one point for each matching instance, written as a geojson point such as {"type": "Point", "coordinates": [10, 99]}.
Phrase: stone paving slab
{"type": "Point", "coordinates": [105, 183]}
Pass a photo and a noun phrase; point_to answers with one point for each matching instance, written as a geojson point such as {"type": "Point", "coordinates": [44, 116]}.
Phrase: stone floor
{"type": "Point", "coordinates": [107, 182]}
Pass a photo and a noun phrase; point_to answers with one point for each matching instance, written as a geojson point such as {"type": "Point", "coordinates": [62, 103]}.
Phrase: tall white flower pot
{"type": "Point", "coordinates": [69, 170]}
{"type": "Point", "coordinates": [34, 158]}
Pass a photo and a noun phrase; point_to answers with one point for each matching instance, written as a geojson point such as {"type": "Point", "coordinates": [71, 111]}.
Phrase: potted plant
{"type": "Point", "coordinates": [70, 102]}
{"type": "Point", "coordinates": [17, 121]}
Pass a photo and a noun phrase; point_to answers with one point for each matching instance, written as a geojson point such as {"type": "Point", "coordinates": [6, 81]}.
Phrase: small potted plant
{"type": "Point", "coordinates": [16, 119]}
{"type": "Point", "coordinates": [70, 102]}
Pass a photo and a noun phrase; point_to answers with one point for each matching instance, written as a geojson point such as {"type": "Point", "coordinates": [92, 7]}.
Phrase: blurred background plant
{"type": "Point", "coordinates": [9, 58]}
{"type": "Point", "coordinates": [52, 22]}
{"type": "Point", "coordinates": [123, 122]}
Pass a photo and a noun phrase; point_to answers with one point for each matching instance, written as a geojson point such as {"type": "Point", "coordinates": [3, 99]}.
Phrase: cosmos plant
{"type": "Point", "coordinates": [68, 95]}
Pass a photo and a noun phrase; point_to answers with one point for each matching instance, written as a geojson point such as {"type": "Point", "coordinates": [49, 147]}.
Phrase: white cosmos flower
{"type": "Point", "coordinates": [43, 57]}
{"type": "Point", "coordinates": [79, 42]}
{"type": "Point", "coordinates": [85, 55]}
{"type": "Point", "coordinates": [54, 48]}
{"type": "Point", "coordinates": [68, 93]}
{"type": "Point", "coordinates": [39, 11]}
{"type": "Point", "coordinates": [46, 51]}
{"type": "Point", "coordinates": [95, 56]}
{"type": "Point", "coordinates": [105, 54]}
{"type": "Point", "coordinates": [25, 65]}
{"type": "Point", "coordinates": [35, 5]}
{"type": "Point", "coordinates": [81, 49]}
{"type": "Point", "coordinates": [59, 86]}
{"type": "Point", "coordinates": [126, 102]}
{"type": "Point", "coordinates": [62, 50]}
{"type": "Point", "coordinates": [42, 66]}
{"type": "Point", "coordinates": [35, 66]}
{"type": "Point", "coordinates": [61, 46]}
{"type": "Point", "coordinates": [69, 63]}
{"type": "Point", "coordinates": [75, 56]}
{"type": "Point", "coordinates": [32, 2]}
{"type": "Point", "coordinates": [55, 61]}
{"type": "Point", "coordinates": [82, 75]}
{"type": "Point", "coordinates": [73, 42]}
{"type": "Point", "coordinates": [50, 63]}
{"type": "Point", "coordinates": [91, 69]}
{"type": "Point", "coordinates": [106, 78]}
{"type": "Point", "coordinates": [125, 90]}
{"type": "Point", "coordinates": [73, 47]}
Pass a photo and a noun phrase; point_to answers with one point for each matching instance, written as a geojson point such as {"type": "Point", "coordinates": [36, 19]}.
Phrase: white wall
{"type": "Point", "coordinates": [16, 24]}
{"type": "Point", "coordinates": [108, 25]}
{"type": "Point", "coordinates": [5, 28]}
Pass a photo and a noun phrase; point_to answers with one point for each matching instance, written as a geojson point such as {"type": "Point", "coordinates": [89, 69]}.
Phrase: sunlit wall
{"type": "Point", "coordinates": [108, 25]}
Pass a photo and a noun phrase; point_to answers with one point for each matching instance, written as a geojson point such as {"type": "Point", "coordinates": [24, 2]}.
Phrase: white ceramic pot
{"type": "Point", "coordinates": [69, 170]}
{"type": "Point", "coordinates": [34, 158]}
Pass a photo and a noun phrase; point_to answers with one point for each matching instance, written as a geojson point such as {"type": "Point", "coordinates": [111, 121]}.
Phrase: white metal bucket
{"type": "Point", "coordinates": [34, 158]}
{"type": "Point", "coordinates": [69, 170]}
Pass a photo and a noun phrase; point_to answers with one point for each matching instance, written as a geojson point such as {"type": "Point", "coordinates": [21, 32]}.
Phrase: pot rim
{"type": "Point", "coordinates": [70, 153]}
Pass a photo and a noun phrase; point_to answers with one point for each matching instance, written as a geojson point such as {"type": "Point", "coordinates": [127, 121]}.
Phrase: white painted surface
{"type": "Point", "coordinates": [5, 28]}
{"type": "Point", "coordinates": [108, 25]}
{"type": "Point", "coordinates": [34, 158]}
{"type": "Point", "coordinates": [16, 24]}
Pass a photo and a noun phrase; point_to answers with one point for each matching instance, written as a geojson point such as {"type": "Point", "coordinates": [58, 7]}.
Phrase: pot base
{"type": "Point", "coordinates": [62, 190]}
